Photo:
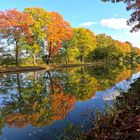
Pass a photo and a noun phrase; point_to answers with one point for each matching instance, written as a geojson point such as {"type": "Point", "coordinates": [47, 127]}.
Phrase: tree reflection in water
{"type": "Point", "coordinates": [40, 98]}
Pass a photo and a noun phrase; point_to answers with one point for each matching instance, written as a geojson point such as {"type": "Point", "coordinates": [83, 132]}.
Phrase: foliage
{"type": "Point", "coordinates": [85, 41]}
{"type": "Point", "coordinates": [110, 49]}
{"type": "Point", "coordinates": [38, 35]}
{"type": "Point", "coordinates": [68, 54]}
{"type": "Point", "coordinates": [58, 31]}
{"type": "Point", "coordinates": [14, 26]}
{"type": "Point", "coordinates": [104, 41]}
{"type": "Point", "coordinates": [36, 41]}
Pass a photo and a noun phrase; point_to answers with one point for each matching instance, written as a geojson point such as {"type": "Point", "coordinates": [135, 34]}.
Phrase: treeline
{"type": "Point", "coordinates": [37, 36]}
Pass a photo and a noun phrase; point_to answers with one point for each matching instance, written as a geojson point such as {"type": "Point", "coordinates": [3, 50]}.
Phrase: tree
{"type": "Point", "coordinates": [104, 41]}
{"type": "Point", "coordinates": [68, 53]}
{"type": "Point", "coordinates": [135, 16]}
{"type": "Point", "coordinates": [105, 49]}
{"type": "Point", "coordinates": [14, 25]}
{"type": "Point", "coordinates": [85, 41]}
{"type": "Point", "coordinates": [58, 31]}
{"type": "Point", "coordinates": [37, 39]}
{"type": "Point", "coordinates": [33, 49]}
{"type": "Point", "coordinates": [124, 48]}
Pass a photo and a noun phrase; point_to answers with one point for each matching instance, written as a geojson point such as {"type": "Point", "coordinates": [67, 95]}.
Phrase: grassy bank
{"type": "Point", "coordinates": [12, 69]}
{"type": "Point", "coordinates": [122, 121]}
{"type": "Point", "coordinates": [20, 69]}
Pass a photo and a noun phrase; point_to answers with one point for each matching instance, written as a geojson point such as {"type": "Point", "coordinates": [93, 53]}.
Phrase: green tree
{"type": "Point", "coordinates": [105, 49]}
{"type": "Point", "coordinates": [68, 53]}
{"type": "Point", "coordinates": [36, 41]}
{"type": "Point", "coordinates": [85, 41]}
{"type": "Point", "coordinates": [104, 41]}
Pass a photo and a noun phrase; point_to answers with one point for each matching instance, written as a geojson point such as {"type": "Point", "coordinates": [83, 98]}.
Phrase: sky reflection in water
{"type": "Point", "coordinates": [40, 105]}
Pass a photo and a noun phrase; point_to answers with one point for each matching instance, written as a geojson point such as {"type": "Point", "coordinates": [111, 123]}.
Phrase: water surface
{"type": "Point", "coordinates": [40, 105]}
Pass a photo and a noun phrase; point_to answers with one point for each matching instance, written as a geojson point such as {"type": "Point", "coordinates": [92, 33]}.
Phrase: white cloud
{"type": "Point", "coordinates": [87, 24]}
{"type": "Point", "coordinates": [134, 38]}
{"type": "Point", "coordinates": [134, 34]}
{"type": "Point", "coordinates": [115, 23]}
{"type": "Point", "coordinates": [127, 36]}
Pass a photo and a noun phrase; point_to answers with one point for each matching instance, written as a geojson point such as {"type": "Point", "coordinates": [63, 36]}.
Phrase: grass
{"type": "Point", "coordinates": [121, 121]}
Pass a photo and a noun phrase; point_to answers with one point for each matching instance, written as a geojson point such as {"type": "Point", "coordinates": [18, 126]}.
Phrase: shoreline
{"type": "Point", "coordinates": [123, 119]}
{"type": "Point", "coordinates": [14, 69]}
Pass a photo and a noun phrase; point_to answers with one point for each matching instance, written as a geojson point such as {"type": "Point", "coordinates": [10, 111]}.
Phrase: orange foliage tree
{"type": "Point", "coordinates": [58, 31]}
{"type": "Point", "coordinates": [14, 25]}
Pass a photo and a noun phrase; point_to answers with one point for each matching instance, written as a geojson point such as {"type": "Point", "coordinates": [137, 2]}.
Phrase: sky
{"type": "Point", "coordinates": [96, 15]}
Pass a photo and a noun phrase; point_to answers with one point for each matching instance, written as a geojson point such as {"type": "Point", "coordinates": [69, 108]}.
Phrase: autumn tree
{"type": "Point", "coordinates": [68, 54]}
{"type": "Point", "coordinates": [104, 40]}
{"type": "Point", "coordinates": [124, 49]}
{"type": "Point", "coordinates": [133, 5]}
{"type": "Point", "coordinates": [78, 48]}
{"type": "Point", "coordinates": [14, 25]}
{"type": "Point", "coordinates": [85, 41]}
{"type": "Point", "coordinates": [135, 53]}
{"type": "Point", "coordinates": [58, 31]}
{"type": "Point", "coordinates": [110, 49]}
{"type": "Point", "coordinates": [36, 41]}
{"type": "Point", "coordinates": [105, 49]}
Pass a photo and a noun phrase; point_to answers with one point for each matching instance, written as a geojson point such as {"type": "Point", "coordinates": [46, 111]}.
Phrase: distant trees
{"type": "Point", "coordinates": [108, 49]}
{"type": "Point", "coordinates": [86, 47]}
{"type": "Point", "coordinates": [104, 40]}
{"type": "Point", "coordinates": [104, 49]}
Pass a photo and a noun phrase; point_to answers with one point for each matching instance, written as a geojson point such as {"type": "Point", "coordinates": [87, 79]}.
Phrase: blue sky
{"type": "Point", "coordinates": [93, 14]}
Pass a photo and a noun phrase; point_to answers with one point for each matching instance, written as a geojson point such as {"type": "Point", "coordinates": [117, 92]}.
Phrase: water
{"type": "Point", "coordinates": [40, 105]}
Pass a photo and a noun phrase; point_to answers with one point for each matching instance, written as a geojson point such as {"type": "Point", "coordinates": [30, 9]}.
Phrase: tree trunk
{"type": "Point", "coordinates": [48, 59]}
{"type": "Point", "coordinates": [17, 55]}
{"type": "Point", "coordinates": [82, 58]}
{"type": "Point", "coordinates": [34, 60]}
{"type": "Point", "coordinates": [35, 77]}
{"type": "Point", "coordinates": [49, 55]}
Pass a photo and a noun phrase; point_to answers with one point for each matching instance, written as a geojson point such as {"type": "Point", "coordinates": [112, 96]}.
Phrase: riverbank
{"type": "Point", "coordinates": [122, 122]}
{"type": "Point", "coordinates": [20, 69]}
{"type": "Point", "coordinates": [13, 69]}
